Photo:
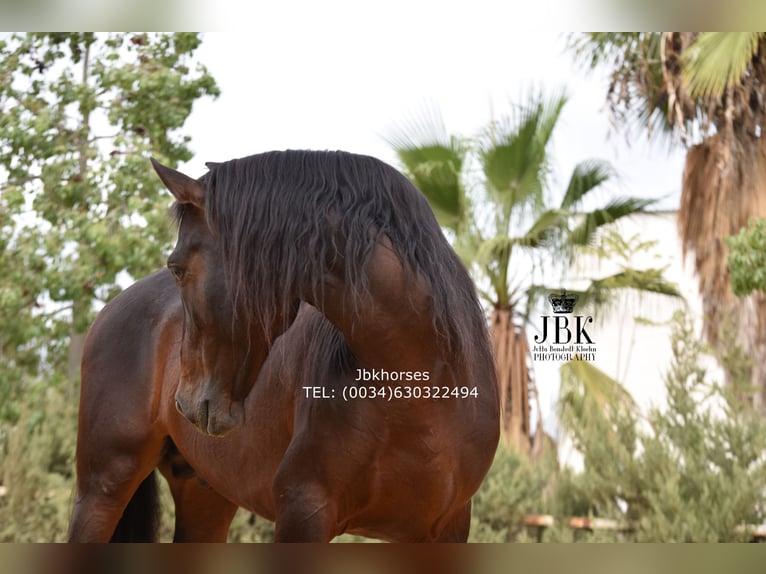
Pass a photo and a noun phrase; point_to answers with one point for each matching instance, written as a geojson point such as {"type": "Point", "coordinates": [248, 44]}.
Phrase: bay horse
{"type": "Point", "coordinates": [315, 352]}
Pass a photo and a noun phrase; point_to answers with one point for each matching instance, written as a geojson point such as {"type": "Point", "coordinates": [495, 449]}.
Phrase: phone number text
{"type": "Point", "coordinates": [390, 392]}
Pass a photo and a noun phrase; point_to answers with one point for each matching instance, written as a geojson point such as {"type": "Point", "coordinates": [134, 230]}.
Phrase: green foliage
{"type": "Point", "coordinates": [593, 403]}
{"type": "Point", "coordinates": [691, 472]}
{"type": "Point", "coordinates": [37, 468]}
{"type": "Point", "coordinates": [718, 61]}
{"type": "Point", "coordinates": [435, 169]}
{"type": "Point", "coordinates": [747, 259]}
{"type": "Point", "coordinates": [514, 487]}
{"type": "Point", "coordinates": [618, 248]}
{"type": "Point", "coordinates": [709, 459]}
{"type": "Point", "coordinates": [80, 113]}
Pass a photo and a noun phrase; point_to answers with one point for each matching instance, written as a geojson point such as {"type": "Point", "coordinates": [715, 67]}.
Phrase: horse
{"type": "Point", "coordinates": [315, 352]}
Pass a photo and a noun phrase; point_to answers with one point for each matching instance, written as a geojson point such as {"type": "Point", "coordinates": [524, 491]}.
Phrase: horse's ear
{"type": "Point", "coordinates": [212, 164]}
{"type": "Point", "coordinates": [183, 188]}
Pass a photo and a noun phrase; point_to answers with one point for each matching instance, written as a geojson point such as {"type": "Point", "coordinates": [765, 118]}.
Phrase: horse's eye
{"type": "Point", "coordinates": [177, 272]}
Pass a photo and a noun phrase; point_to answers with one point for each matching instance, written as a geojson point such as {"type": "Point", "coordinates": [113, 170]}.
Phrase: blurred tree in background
{"type": "Point", "coordinates": [707, 92]}
{"type": "Point", "coordinates": [79, 204]}
{"type": "Point", "coordinates": [689, 471]}
{"type": "Point", "coordinates": [692, 470]}
{"type": "Point", "coordinates": [80, 114]}
{"type": "Point", "coordinates": [747, 259]}
{"type": "Point", "coordinates": [494, 195]}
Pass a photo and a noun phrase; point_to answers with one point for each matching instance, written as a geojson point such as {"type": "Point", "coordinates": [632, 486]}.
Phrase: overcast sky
{"type": "Point", "coordinates": [336, 86]}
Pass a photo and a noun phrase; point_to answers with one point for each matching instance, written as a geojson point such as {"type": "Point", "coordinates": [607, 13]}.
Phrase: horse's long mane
{"type": "Point", "coordinates": [283, 217]}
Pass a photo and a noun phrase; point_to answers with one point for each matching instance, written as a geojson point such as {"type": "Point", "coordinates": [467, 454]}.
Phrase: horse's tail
{"type": "Point", "coordinates": [141, 517]}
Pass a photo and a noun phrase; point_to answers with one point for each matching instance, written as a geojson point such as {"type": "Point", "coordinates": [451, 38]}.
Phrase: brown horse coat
{"type": "Point", "coordinates": [218, 369]}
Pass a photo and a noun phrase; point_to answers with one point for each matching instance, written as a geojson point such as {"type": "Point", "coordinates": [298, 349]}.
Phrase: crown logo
{"type": "Point", "coordinates": [562, 303]}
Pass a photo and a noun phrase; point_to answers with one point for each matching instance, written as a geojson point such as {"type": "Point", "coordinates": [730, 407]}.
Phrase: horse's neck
{"type": "Point", "coordinates": [391, 325]}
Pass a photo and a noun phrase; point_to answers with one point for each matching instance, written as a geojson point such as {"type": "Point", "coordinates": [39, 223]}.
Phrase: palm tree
{"type": "Point", "coordinates": [492, 194]}
{"type": "Point", "coordinates": [709, 91]}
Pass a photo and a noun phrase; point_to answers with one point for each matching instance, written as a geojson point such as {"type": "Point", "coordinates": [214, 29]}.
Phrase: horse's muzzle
{"type": "Point", "coordinates": [214, 418]}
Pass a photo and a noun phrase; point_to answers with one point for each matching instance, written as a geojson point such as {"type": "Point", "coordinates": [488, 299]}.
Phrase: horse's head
{"type": "Point", "coordinates": [221, 352]}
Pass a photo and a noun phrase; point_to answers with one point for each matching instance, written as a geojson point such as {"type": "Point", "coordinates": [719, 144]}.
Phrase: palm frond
{"type": "Point", "coordinates": [435, 170]}
{"type": "Point", "coordinates": [513, 151]}
{"type": "Point", "coordinates": [718, 60]}
{"type": "Point", "coordinates": [587, 176]}
{"type": "Point", "coordinates": [424, 128]}
{"type": "Point", "coordinates": [495, 249]}
{"type": "Point", "coordinates": [467, 243]}
{"type": "Point", "coordinates": [434, 161]}
{"type": "Point", "coordinates": [550, 112]}
{"type": "Point", "coordinates": [600, 387]}
{"type": "Point", "coordinates": [602, 292]}
{"type": "Point", "coordinates": [511, 162]}
{"type": "Point", "coordinates": [616, 209]}
{"type": "Point", "coordinates": [544, 228]}
{"type": "Point", "coordinates": [648, 280]}
{"type": "Point", "coordinates": [587, 391]}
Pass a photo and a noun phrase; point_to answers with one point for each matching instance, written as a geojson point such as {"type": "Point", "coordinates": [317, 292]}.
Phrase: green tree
{"type": "Point", "coordinates": [747, 259]}
{"type": "Point", "coordinates": [80, 113]}
{"type": "Point", "coordinates": [692, 471]}
{"type": "Point", "coordinates": [707, 90]}
{"type": "Point", "coordinates": [515, 487]}
{"type": "Point", "coordinates": [492, 194]}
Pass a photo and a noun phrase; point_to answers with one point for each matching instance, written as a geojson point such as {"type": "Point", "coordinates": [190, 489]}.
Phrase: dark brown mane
{"type": "Point", "coordinates": [275, 214]}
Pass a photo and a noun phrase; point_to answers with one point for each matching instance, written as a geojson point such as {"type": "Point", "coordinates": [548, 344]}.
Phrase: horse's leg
{"type": "Point", "coordinates": [305, 511]}
{"type": "Point", "coordinates": [456, 530]}
{"type": "Point", "coordinates": [304, 514]}
{"type": "Point", "coordinates": [106, 482]}
{"type": "Point", "coordinates": [202, 515]}
{"type": "Point", "coordinates": [95, 517]}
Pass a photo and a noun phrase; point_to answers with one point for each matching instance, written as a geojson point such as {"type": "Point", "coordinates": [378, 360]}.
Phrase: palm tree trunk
{"type": "Point", "coordinates": [509, 345]}
{"type": "Point", "coordinates": [724, 185]}
{"type": "Point", "coordinates": [750, 313]}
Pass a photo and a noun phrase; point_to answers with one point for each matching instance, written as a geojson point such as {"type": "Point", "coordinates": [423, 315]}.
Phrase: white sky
{"type": "Point", "coordinates": [333, 86]}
